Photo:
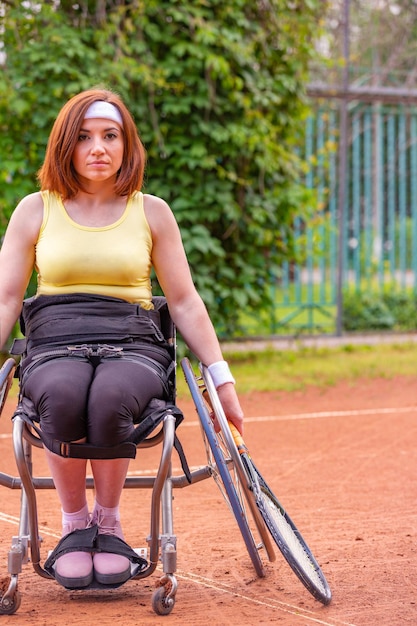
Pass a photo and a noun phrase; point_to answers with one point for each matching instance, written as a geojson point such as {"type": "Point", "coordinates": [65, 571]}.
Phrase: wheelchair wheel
{"type": "Point", "coordinates": [161, 604]}
{"type": "Point", "coordinates": [6, 379]}
{"type": "Point", "coordinates": [223, 469]}
{"type": "Point", "coordinates": [275, 519]}
{"type": "Point", "coordinates": [9, 605]}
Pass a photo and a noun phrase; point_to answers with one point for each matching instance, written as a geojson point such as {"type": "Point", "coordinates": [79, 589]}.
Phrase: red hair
{"type": "Point", "coordinates": [57, 172]}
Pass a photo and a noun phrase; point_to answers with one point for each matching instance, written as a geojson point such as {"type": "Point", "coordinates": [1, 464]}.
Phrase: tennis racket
{"type": "Point", "coordinates": [282, 529]}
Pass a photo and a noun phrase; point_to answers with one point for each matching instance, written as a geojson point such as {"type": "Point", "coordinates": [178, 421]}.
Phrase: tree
{"type": "Point", "coordinates": [217, 90]}
{"type": "Point", "coordinates": [382, 42]}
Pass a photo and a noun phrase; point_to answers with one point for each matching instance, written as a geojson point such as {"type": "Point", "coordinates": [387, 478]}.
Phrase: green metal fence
{"type": "Point", "coordinates": [367, 240]}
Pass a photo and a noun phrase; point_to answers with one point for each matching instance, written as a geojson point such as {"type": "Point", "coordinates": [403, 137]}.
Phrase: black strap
{"type": "Point", "coordinates": [184, 463]}
{"type": "Point", "coordinates": [125, 450]}
{"type": "Point", "coordinates": [153, 415]}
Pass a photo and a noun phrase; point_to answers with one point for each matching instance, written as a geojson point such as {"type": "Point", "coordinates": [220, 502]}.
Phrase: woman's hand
{"type": "Point", "coordinates": [231, 406]}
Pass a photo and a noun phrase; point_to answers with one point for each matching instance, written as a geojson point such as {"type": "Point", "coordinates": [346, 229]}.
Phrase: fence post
{"type": "Point", "coordinates": [343, 160]}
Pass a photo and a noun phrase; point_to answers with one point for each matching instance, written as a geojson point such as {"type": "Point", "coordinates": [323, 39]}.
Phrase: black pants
{"type": "Point", "coordinates": [77, 399]}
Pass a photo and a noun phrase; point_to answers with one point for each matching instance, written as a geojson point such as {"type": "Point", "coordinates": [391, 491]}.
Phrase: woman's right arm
{"type": "Point", "coordinates": [17, 260]}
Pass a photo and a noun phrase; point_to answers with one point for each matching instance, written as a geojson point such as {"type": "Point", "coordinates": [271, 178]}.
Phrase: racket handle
{"type": "Point", "coordinates": [240, 444]}
{"type": "Point", "coordinates": [207, 398]}
{"type": "Point", "coordinates": [238, 439]}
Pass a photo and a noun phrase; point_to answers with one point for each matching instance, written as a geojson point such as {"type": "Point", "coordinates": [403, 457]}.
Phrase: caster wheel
{"type": "Point", "coordinates": [10, 605]}
{"type": "Point", "coordinates": [161, 604]}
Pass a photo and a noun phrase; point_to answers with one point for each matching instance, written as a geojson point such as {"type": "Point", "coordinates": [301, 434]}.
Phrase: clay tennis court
{"type": "Point", "coordinates": [342, 460]}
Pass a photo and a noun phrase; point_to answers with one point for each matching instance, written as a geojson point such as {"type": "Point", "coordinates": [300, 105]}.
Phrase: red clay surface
{"type": "Point", "coordinates": [342, 460]}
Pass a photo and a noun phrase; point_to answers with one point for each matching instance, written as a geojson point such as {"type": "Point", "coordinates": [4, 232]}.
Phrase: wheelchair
{"type": "Point", "coordinates": [242, 486]}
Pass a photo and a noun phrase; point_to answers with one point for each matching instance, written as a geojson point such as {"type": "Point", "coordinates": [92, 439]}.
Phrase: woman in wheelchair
{"type": "Point", "coordinates": [95, 354]}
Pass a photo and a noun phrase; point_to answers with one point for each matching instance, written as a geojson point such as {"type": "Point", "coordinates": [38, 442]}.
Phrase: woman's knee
{"type": "Point", "coordinates": [110, 416]}
{"type": "Point", "coordinates": [59, 393]}
{"type": "Point", "coordinates": [118, 395]}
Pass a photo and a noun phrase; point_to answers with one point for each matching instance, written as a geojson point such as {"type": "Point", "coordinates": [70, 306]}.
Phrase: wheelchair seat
{"type": "Point", "coordinates": [151, 417]}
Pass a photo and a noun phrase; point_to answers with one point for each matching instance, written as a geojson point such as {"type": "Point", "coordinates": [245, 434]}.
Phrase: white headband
{"type": "Point", "coordinates": [104, 110]}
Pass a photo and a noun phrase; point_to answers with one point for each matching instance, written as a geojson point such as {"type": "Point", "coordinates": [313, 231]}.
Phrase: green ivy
{"type": "Point", "coordinates": [217, 91]}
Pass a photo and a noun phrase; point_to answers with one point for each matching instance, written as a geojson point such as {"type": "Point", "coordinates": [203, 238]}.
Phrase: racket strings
{"type": "Point", "coordinates": [289, 536]}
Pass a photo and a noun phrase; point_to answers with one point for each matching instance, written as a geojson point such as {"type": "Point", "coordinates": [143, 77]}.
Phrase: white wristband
{"type": "Point", "coordinates": [220, 373]}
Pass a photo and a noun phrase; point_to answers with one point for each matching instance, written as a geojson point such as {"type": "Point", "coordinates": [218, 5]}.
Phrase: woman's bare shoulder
{"type": "Point", "coordinates": [158, 212]}
{"type": "Point", "coordinates": [32, 202]}
{"type": "Point", "coordinates": [154, 203]}
{"type": "Point", "coordinates": [29, 211]}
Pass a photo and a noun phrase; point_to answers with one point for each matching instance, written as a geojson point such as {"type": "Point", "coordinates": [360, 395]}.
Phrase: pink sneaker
{"type": "Point", "coordinates": [75, 569]}
{"type": "Point", "coordinates": [110, 569]}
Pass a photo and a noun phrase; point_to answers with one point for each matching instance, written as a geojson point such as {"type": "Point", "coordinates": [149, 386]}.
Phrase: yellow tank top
{"type": "Point", "coordinates": [112, 260]}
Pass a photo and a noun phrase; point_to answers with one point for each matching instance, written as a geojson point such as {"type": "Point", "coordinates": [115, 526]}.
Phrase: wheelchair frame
{"type": "Point", "coordinates": [162, 548]}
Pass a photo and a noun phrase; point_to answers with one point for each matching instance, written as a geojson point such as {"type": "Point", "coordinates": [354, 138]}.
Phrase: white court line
{"type": "Point", "coordinates": [271, 603]}
{"type": "Point", "coordinates": [12, 519]}
{"type": "Point", "coordinates": [316, 415]}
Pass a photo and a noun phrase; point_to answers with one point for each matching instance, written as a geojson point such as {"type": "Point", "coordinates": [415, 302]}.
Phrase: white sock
{"type": "Point", "coordinates": [107, 511]}
{"type": "Point", "coordinates": [77, 515]}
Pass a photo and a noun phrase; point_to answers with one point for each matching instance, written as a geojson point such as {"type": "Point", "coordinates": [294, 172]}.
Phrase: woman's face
{"type": "Point", "coordinates": [98, 153]}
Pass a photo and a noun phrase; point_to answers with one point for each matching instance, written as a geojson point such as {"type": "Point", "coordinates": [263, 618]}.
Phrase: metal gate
{"type": "Point", "coordinates": [366, 240]}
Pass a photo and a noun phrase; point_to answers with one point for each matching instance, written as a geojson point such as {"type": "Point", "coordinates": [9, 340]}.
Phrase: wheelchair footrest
{"type": "Point", "coordinates": [89, 540]}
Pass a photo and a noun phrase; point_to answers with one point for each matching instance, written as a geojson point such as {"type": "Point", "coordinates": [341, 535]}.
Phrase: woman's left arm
{"type": "Point", "coordinates": [186, 307]}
